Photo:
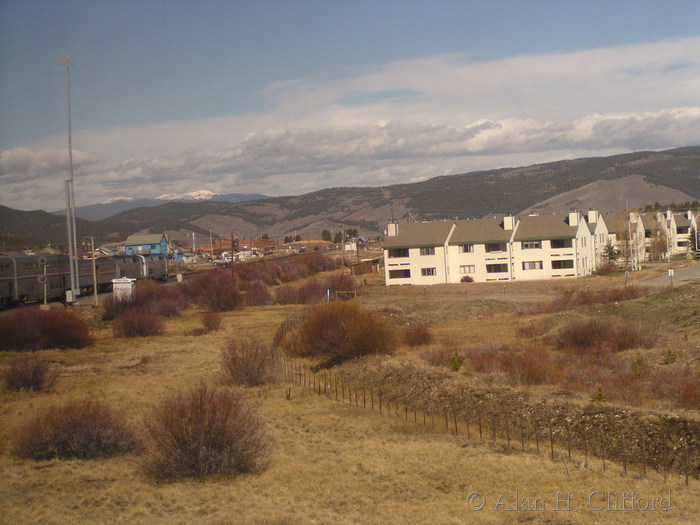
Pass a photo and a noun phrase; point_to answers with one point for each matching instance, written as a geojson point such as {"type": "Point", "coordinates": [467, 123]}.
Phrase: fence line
{"type": "Point", "coordinates": [632, 448]}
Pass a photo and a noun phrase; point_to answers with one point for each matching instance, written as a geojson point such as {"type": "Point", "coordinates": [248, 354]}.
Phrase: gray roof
{"type": "Point", "coordinates": [616, 222]}
{"type": "Point", "coordinates": [419, 234]}
{"type": "Point", "coordinates": [480, 231]}
{"type": "Point", "coordinates": [537, 227]}
{"type": "Point", "coordinates": [649, 221]}
{"type": "Point", "coordinates": [682, 220]}
{"type": "Point", "coordinates": [154, 238]}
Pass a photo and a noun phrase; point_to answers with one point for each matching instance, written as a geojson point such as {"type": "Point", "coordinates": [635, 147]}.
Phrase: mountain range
{"type": "Point", "coordinates": [609, 183]}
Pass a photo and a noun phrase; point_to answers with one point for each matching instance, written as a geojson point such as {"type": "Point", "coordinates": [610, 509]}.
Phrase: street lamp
{"type": "Point", "coordinates": [67, 60]}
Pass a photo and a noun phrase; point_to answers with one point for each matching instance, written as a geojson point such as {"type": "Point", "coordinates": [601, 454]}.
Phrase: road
{"type": "Point", "coordinates": [681, 276]}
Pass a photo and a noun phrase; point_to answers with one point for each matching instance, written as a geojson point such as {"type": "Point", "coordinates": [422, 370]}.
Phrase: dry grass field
{"type": "Point", "coordinates": [333, 462]}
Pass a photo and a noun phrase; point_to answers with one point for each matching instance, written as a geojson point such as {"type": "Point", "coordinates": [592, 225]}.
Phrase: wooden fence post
{"type": "Point", "coordinates": [624, 455]}
{"type": "Point", "coordinates": [551, 439]}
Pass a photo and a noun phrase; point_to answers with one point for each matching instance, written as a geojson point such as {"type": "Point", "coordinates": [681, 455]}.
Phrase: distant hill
{"type": "Point", "coordinates": [104, 210]}
{"type": "Point", "coordinates": [604, 183]}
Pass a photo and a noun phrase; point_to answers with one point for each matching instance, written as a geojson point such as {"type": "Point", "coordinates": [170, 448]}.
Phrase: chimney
{"type": "Point", "coordinates": [593, 216]}
{"type": "Point", "coordinates": [392, 229]}
{"type": "Point", "coordinates": [573, 218]}
{"type": "Point", "coordinates": [508, 222]}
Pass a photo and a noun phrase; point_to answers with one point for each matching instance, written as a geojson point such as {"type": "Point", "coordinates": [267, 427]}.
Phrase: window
{"type": "Point", "coordinates": [496, 268]}
{"type": "Point", "coordinates": [561, 243]}
{"type": "Point", "coordinates": [154, 246]}
{"type": "Point", "coordinates": [466, 248]}
{"type": "Point", "coordinates": [398, 252]}
{"type": "Point", "coordinates": [496, 247]}
{"type": "Point", "coordinates": [531, 245]}
{"type": "Point", "coordinates": [560, 265]}
{"type": "Point", "coordinates": [583, 242]}
{"type": "Point", "coordinates": [532, 265]}
{"type": "Point", "coordinates": [399, 274]}
{"type": "Point", "coordinates": [467, 268]}
{"type": "Point", "coordinates": [430, 250]}
{"type": "Point", "coordinates": [427, 272]}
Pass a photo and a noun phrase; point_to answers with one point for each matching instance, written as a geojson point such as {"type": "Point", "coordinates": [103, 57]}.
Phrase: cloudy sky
{"type": "Point", "coordinates": [287, 97]}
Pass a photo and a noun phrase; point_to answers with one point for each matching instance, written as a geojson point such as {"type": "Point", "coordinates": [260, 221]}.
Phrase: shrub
{"type": "Point", "coordinates": [140, 322]}
{"type": "Point", "coordinates": [341, 330]}
{"type": "Point", "coordinates": [217, 291]}
{"type": "Point", "coordinates": [532, 365]}
{"type": "Point", "coordinates": [467, 279]}
{"type": "Point", "coordinates": [437, 355]}
{"type": "Point", "coordinates": [30, 371]}
{"type": "Point", "coordinates": [312, 291]}
{"type": "Point", "coordinates": [570, 299]}
{"type": "Point", "coordinates": [257, 294]}
{"type": "Point", "coordinates": [211, 321]}
{"type": "Point", "coordinates": [79, 429]}
{"type": "Point", "coordinates": [249, 362]}
{"type": "Point", "coordinates": [455, 362]}
{"type": "Point", "coordinates": [286, 295]}
{"type": "Point", "coordinates": [35, 329]}
{"type": "Point", "coordinates": [319, 263]}
{"type": "Point", "coordinates": [113, 307]}
{"type": "Point", "coordinates": [205, 432]}
{"type": "Point", "coordinates": [605, 268]}
{"type": "Point", "coordinates": [340, 282]}
{"type": "Point", "coordinates": [601, 333]}
{"type": "Point", "coordinates": [417, 335]}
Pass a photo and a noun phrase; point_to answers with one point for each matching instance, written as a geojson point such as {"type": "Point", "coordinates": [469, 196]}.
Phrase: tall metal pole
{"type": "Point", "coordinates": [67, 61]}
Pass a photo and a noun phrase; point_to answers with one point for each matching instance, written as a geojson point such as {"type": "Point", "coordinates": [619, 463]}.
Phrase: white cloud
{"type": "Point", "coordinates": [410, 119]}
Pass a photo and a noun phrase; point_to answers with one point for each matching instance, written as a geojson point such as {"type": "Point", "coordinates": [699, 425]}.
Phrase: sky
{"type": "Point", "coordinates": [284, 97]}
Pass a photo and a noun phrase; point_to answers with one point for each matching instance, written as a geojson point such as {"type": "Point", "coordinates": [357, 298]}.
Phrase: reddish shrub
{"type": "Point", "coordinates": [205, 432]}
{"type": "Point", "coordinates": [30, 371]}
{"type": "Point", "coordinates": [139, 322]}
{"type": "Point", "coordinates": [341, 330]}
{"type": "Point", "coordinates": [532, 365]}
{"type": "Point", "coordinates": [249, 362]}
{"type": "Point", "coordinates": [467, 279]}
{"type": "Point", "coordinates": [570, 299]}
{"type": "Point", "coordinates": [290, 271]}
{"type": "Point", "coordinates": [601, 333]}
{"type": "Point", "coordinates": [35, 329]}
{"type": "Point", "coordinates": [417, 335]}
{"type": "Point", "coordinates": [287, 295]}
{"type": "Point", "coordinates": [319, 263]}
{"type": "Point", "coordinates": [340, 282]}
{"type": "Point", "coordinates": [257, 294]}
{"type": "Point", "coordinates": [79, 429]}
{"type": "Point", "coordinates": [217, 290]}
{"type": "Point", "coordinates": [679, 385]}
{"type": "Point", "coordinates": [311, 291]}
{"type": "Point", "coordinates": [485, 358]}
{"type": "Point", "coordinates": [438, 355]}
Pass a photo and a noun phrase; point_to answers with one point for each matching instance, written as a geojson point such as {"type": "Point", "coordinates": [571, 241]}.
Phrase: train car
{"type": "Point", "coordinates": [22, 277]}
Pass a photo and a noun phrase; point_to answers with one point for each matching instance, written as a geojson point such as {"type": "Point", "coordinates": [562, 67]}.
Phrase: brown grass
{"type": "Point", "coordinates": [332, 463]}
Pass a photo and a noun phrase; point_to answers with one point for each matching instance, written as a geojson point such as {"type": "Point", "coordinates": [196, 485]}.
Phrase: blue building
{"type": "Point", "coordinates": [151, 244]}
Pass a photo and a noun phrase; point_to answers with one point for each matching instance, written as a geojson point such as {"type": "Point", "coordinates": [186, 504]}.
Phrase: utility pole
{"type": "Point", "coordinates": [67, 61]}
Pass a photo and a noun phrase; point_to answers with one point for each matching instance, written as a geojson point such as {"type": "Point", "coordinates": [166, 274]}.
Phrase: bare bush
{"type": "Point", "coordinates": [35, 329]}
{"type": "Point", "coordinates": [570, 299]}
{"type": "Point", "coordinates": [340, 282]}
{"type": "Point", "coordinates": [216, 290]}
{"type": "Point", "coordinates": [140, 322]}
{"type": "Point", "coordinates": [30, 371]}
{"type": "Point", "coordinates": [417, 335]}
{"type": "Point", "coordinates": [311, 291]}
{"type": "Point", "coordinates": [78, 429]}
{"type": "Point", "coordinates": [211, 321]}
{"type": "Point", "coordinates": [249, 362]}
{"type": "Point", "coordinates": [341, 330]}
{"type": "Point", "coordinates": [286, 295]}
{"type": "Point", "coordinates": [257, 294]}
{"type": "Point", "coordinates": [205, 432]}
{"type": "Point", "coordinates": [437, 355]}
{"type": "Point", "coordinates": [601, 333]}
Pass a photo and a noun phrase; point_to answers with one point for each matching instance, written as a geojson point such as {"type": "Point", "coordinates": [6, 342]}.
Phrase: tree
{"type": "Point", "coordinates": [326, 235]}
{"type": "Point", "coordinates": [692, 241]}
{"type": "Point", "coordinates": [288, 239]}
{"type": "Point", "coordinates": [265, 236]}
{"type": "Point", "coordinates": [297, 238]}
{"type": "Point", "coordinates": [609, 253]}
{"type": "Point", "coordinates": [338, 237]}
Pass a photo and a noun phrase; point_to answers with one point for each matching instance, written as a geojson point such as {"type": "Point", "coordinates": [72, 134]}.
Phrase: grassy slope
{"type": "Point", "coordinates": [333, 463]}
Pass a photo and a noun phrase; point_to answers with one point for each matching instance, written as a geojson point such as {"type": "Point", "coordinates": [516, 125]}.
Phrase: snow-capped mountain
{"type": "Point", "coordinates": [117, 199]}
{"type": "Point", "coordinates": [199, 195]}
